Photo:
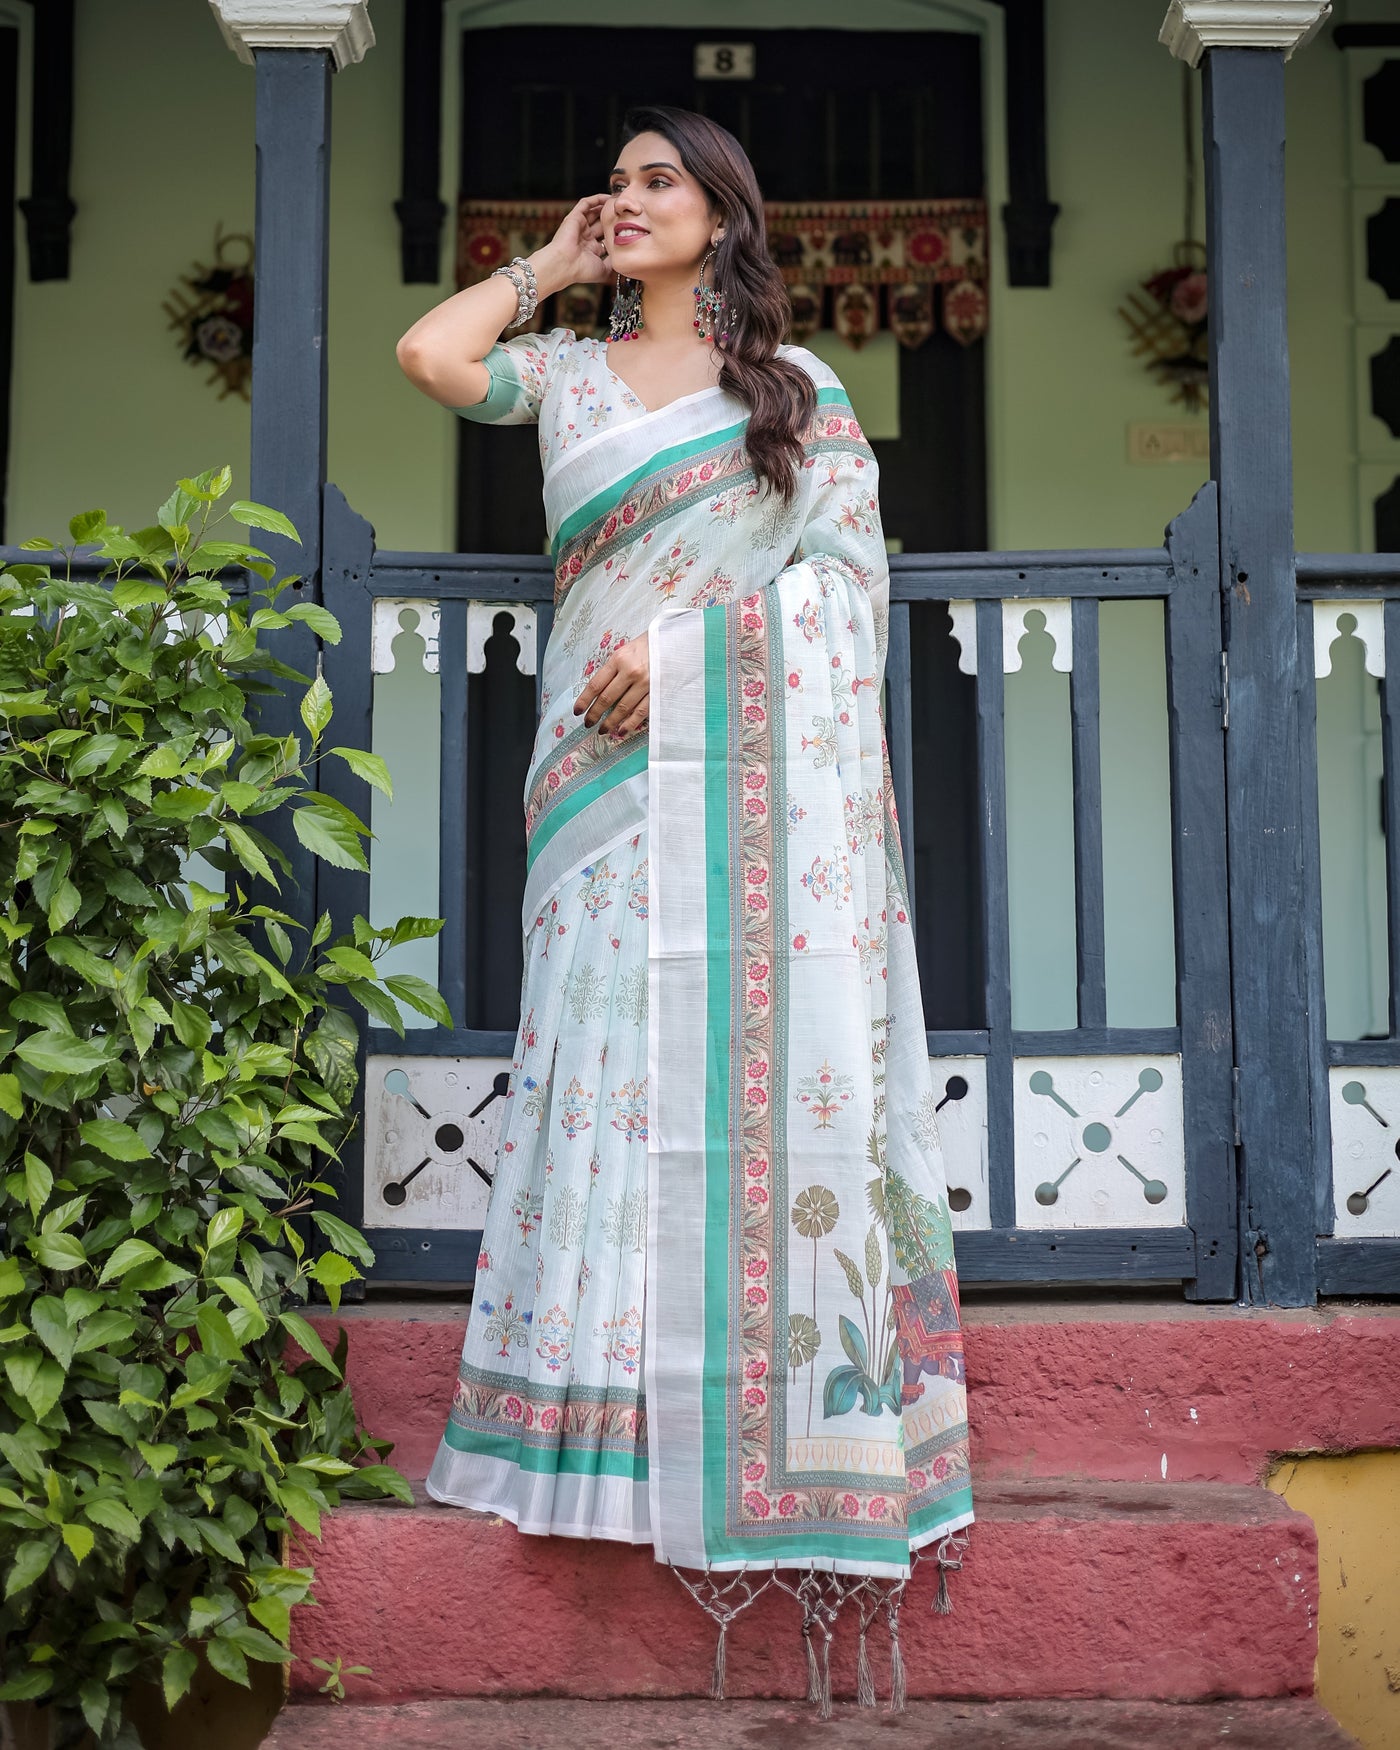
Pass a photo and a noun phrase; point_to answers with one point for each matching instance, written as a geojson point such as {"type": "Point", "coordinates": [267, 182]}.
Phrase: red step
{"type": "Point", "coordinates": [1122, 1392]}
{"type": "Point", "coordinates": [1171, 1592]}
{"type": "Point", "coordinates": [681, 1725]}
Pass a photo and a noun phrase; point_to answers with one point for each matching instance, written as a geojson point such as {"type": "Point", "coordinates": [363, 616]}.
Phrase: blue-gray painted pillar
{"type": "Point", "coordinates": [1251, 460]}
{"type": "Point", "coordinates": [289, 370]}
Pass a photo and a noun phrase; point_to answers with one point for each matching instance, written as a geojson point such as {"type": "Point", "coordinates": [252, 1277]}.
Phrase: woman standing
{"type": "Point", "coordinates": [716, 1308]}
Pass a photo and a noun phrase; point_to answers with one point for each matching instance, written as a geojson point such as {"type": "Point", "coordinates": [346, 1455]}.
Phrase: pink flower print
{"type": "Point", "coordinates": [483, 1262]}
{"type": "Point", "coordinates": [512, 1409]}
{"type": "Point", "coordinates": [917, 1480]}
{"type": "Point", "coordinates": [757, 875]}
{"type": "Point", "coordinates": [756, 1097]}
{"type": "Point", "coordinates": [756, 1267]}
{"type": "Point", "coordinates": [757, 1069]}
{"type": "Point", "coordinates": [795, 678]}
{"type": "Point", "coordinates": [757, 1504]}
{"type": "Point", "coordinates": [629, 513]}
{"type": "Point", "coordinates": [683, 481]}
{"type": "Point", "coordinates": [558, 731]}
{"type": "Point", "coordinates": [549, 1419]}
{"type": "Point", "coordinates": [756, 1295]}
{"type": "Point", "coordinates": [850, 1506]}
{"type": "Point", "coordinates": [757, 1169]}
{"type": "Point", "coordinates": [755, 714]}
{"type": "Point", "coordinates": [753, 623]}
{"type": "Point", "coordinates": [754, 1470]}
{"type": "Point", "coordinates": [787, 1505]}
{"type": "Point", "coordinates": [706, 470]}
{"type": "Point", "coordinates": [754, 781]}
{"type": "Point", "coordinates": [753, 689]}
{"type": "Point", "coordinates": [799, 942]}
{"type": "Point", "coordinates": [758, 1196]}
{"type": "Point", "coordinates": [755, 1397]}
{"type": "Point", "coordinates": [529, 1415]}
{"type": "Point", "coordinates": [878, 1507]}
{"type": "Point", "coordinates": [610, 527]}
{"type": "Point", "coordinates": [755, 1368]}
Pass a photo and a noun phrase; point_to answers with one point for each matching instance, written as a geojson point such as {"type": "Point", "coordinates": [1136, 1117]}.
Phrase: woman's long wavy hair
{"type": "Point", "coordinates": [780, 396]}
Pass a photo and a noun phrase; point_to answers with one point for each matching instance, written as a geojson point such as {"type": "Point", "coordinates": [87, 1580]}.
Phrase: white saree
{"type": "Point", "coordinates": [716, 1308]}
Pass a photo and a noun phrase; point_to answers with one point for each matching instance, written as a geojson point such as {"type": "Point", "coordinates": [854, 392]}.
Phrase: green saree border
{"type": "Point", "coordinates": [627, 765]}
{"type": "Point", "coordinates": [551, 1461]}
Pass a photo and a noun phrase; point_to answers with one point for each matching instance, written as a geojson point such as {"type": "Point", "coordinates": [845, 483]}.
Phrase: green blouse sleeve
{"type": "Point", "coordinates": [519, 369]}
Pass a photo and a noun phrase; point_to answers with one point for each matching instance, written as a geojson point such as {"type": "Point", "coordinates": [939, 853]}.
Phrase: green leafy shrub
{"type": "Point", "coordinates": [176, 1076]}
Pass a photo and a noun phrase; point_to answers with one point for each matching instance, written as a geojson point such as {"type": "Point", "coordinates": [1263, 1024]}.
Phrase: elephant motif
{"type": "Point", "coordinates": [928, 1331]}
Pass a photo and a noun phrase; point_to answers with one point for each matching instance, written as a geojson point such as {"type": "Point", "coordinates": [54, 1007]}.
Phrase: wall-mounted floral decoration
{"type": "Point", "coordinates": [212, 312]}
{"type": "Point", "coordinates": [1169, 324]}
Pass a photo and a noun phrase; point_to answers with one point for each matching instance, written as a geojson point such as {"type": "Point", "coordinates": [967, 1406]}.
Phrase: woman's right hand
{"type": "Point", "coordinates": [574, 255]}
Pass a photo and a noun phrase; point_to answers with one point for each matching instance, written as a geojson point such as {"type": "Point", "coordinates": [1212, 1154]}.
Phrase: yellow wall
{"type": "Point", "coordinates": [1354, 1501]}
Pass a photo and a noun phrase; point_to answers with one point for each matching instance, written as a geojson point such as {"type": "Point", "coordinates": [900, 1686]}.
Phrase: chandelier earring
{"type": "Point", "coordinates": [625, 323]}
{"type": "Point", "coordinates": [709, 304]}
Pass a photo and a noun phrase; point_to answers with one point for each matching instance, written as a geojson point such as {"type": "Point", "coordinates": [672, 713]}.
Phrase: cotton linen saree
{"type": "Point", "coordinates": [716, 1307]}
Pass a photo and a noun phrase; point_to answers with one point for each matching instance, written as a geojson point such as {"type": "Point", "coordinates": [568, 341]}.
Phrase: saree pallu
{"type": "Point", "coordinates": [716, 1308]}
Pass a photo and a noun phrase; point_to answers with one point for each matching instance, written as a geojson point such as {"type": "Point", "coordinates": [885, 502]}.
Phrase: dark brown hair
{"type": "Point", "coordinates": [780, 396]}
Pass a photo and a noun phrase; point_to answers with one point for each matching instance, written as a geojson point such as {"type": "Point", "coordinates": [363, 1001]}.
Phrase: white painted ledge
{"type": "Point", "coordinates": [1193, 26]}
{"type": "Point", "coordinates": [340, 26]}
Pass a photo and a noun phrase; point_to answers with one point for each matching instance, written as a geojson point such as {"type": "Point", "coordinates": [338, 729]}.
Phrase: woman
{"type": "Point", "coordinates": [716, 1308]}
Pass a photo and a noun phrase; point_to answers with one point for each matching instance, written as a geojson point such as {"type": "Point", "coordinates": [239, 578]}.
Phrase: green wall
{"type": "Point", "coordinates": [106, 412]}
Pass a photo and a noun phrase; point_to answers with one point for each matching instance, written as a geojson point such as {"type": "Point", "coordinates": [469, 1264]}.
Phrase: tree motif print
{"type": "Point", "coordinates": [625, 1224]}
{"type": "Point", "coordinates": [808, 621]}
{"type": "Point", "coordinates": [555, 1334]}
{"type": "Point", "coordinates": [597, 890]}
{"type": "Point", "coordinates": [822, 741]}
{"type": "Point", "coordinates": [629, 1106]}
{"type": "Point", "coordinates": [872, 1369]}
{"type": "Point", "coordinates": [622, 1340]}
{"type": "Point", "coordinates": [588, 993]}
{"type": "Point", "coordinates": [637, 895]}
{"type": "Point", "coordinates": [865, 818]}
{"type": "Point", "coordinates": [535, 1095]}
{"type": "Point", "coordinates": [506, 1324]}
{"type": "Point", "coordinates": [869, 944]}
{"type": "Point", "coordinates": [528, 1210]}
{"type": "Point", "coordinates": [568, 1218]}
{"type": "Point", "coordinates": [918, 1227]}
{"type": "Point", "coordinates": [824, 1093]}
{"type": "Point", "coordinates": [926, 1131]}
{"type": "Point", "coordinates": [815, 1212]}
{"type": "Point", "coordinates": [670, 571]}
{"type": "Point", "coordinates": [574, 1105]}
{"type": "Point", "coordinates": [829, 878]}
{"type": "Point", "coordinates": [630, 1000]}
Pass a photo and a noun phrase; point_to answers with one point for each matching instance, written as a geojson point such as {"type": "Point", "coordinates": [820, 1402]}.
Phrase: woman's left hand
{"type": "Point", "coordinates": [618, 695]}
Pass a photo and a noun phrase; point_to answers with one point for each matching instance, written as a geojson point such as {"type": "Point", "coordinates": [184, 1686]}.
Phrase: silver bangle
{"type": "Point", "coordinates": [522, 276]}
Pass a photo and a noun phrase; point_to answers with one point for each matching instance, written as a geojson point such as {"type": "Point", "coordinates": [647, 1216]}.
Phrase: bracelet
{"type": "Point", "coordinates": [527, 295]}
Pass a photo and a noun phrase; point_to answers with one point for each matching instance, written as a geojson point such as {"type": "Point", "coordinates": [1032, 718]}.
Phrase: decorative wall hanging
{"type": "Point", "coordinates": [212, 311]}
{"type": "Point", "coordinates": [1169, 325]}
{"type": "Point", "coordinates": [857, 267]}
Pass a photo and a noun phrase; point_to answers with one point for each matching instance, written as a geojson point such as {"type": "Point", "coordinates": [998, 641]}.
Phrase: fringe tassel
{"type": "Point", "coordinates": [865, 1683]}
{"type": "Point", "coordinates": [942, 1603]}
{"type": "Point", "coordinates": [897, 1693]}
{"type": "Point", "coordinates": [722, 1603]}
{"type": "Point", "coordinates": [824, 1698]}
{"type": "Point", "coordinates": [813, 1680]}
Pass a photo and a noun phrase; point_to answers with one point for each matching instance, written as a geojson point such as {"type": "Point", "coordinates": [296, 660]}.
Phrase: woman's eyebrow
{"type": "Point", "coordinates": [659, 165]}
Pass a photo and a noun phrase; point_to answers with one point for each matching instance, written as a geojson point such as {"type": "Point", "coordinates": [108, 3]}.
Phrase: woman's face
{"type": "Point", "coordinates": [657, 217]}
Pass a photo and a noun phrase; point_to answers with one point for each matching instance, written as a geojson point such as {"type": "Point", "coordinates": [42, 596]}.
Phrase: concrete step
{"type": "Point", "coordinates": [704, 1725]}
{"type": "Point", "coordinates": [1120, 1391]}
{"type": "Point", "coordinates": [1168, 1592]}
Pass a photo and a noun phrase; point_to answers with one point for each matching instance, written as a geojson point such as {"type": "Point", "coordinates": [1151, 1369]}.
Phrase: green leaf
{"type": "Point", "coordinates": [204, 1613]}
{"type": "Point", "coordinates": [321, 620]}
{"type": "Point", "coordinates": [333, 1271]}
{"type": "Point", "coordinates": [342, 1236]}
{"type": "Point", "coordinates": [420, 995]}
{"type": "Point", "coordinates": [11, 1103]}
{"type": "Point", "coordinates": [64, 905]}
{"type": "Point", "coordinates": [307, 1339]}
{"type": "Point", "coordinates": [61, 1053]}
{"type": "Point", "coordinates": [87, 526]}
{"type": "Point", "coordinates": [50, 1321]}
{"type": "Point", "coordinates": [316, 708]}
{"type": "Point", "coordinates": [29, 1563]}
{"type": "Point", "coordinates": [58, 1251]}
{"type": "Point", "coordinates": [193, 1026]}
{"type": "Point", "coordinates": [226, 1224]}
{"type": "Point", "coordinates": [351, 962]}
{"type": "Point", "coordinates": [253, 1641]}
{"type": "Point", "coordinates": [113, 1516]}
{"type": "Point", "coordinates": [227, 1661]}
{"type": "Point", "coordinates": [11, 1278]}
{"type": "Point", "coordinates": [329, 835]}
{"type": "Point", "coordinates": [176, 1671]}
{"type": "Point", "coordinates": [215, 1332]}
{"type": "Point", "coordinates": [261, 516]}
{"type": "Point", "coordinates": [274, 1614]}
{"type": "Point", "coordinates": [127, 1255]}
{"type": "Point", "coordinates": [38, 1183]}
{"type": "Point", "coordinates": [118, 1141]}
{"type": "Point", "coordinates": [413, 929]}
{"type": "Point", "coordinates": [103, 1329]}
{"type": "Point", "coordinates": [159, 1456]}
{"type": "Point", "coordinates": [29, 1685]}
{"type": "Point", "coordinates": [248, 851]}
{"type": "Point", "coordinates": [331, 1051]}
{"type": "Point", "coordinates": [368, 766]}
{"type": "Point", "coordinates": [64, 951]}
{"type": "Point", "coordinates": [79, 1539]}
{"type": "Point", "coordinates": [378, 1003]}
{"type": "Point", "coordinates": [840, 1391]}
